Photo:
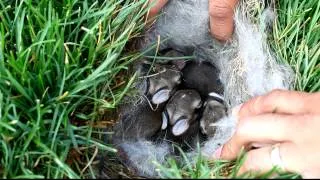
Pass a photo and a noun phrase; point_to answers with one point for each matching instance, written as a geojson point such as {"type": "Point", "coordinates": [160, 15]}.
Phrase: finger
{"type": "Point", "coordinates": [266, 128]}
{"type": "Point", "coordinates": [156, 7]}
{"type": "Point", "coordinates": [257, 160]}
{"type": "Point", "coordinates": [221, 18]}
{"type": "Point", "coordinates": [281, 101]}
{"type": "Point", "coordinates": [260, 160]}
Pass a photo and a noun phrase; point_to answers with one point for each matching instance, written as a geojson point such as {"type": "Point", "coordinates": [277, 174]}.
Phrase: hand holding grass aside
{"type": "Point", "coordinates": [290, 118]}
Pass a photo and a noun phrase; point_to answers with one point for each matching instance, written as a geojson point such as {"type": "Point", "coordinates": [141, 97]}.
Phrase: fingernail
{"type": "Point", "coordinates": [235, 110]}
{"type": "Point", "coordinates": [217, 153]}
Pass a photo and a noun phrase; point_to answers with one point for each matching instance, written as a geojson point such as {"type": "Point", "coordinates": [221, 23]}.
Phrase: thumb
{"type": "Point", "coordinates": [221, 18]}
{"type": "Point", "coordinates": [156, 7]}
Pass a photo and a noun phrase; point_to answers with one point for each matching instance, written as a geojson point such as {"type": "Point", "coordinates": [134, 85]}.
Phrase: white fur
{"type": "Point", "coordinates": [143, 155]}
{"type": "Point", "coordinates": [248, 66]}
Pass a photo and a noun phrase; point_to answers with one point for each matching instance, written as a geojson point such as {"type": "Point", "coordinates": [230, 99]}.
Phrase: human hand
{"type": "Point", "coordinates": [155, 9]}
{"type": "Point", "coordinates": [290, 119]}
{"type": "Point", "coordinates": [221, 16]}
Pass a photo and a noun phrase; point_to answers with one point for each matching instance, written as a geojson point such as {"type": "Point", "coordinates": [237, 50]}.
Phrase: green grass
{"type": "Point", "coordinates": [59, 67]}
{"type": "Point", "coordinates": [199, 168]}
{"type": "Point", "coordinates": [58, 63]}
{"type": "Point", "coordinates": [296, 40]}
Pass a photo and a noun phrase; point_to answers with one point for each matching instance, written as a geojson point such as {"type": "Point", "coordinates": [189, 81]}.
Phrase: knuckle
{"type": "Point", "coordinates": [257, 104]}
{"type": "Point", "coordinates": [271, 100]}
{"type": "Point", "coordinates": [253, 106]}
{"type": "Point", "coordinates": [241, 129]}
{"type": "Point", "coordinates": [275, 94]}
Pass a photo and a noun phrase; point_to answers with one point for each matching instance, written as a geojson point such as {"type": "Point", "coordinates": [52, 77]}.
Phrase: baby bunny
{"type": "Point", "coordinates": [214, 109]}
{"type": "Point", "coordinates": [180, 111]}
{"type": "Point", "coordinates": [161, 83]}
{"type": "Point", "coordinates": [202, 77]}
{"type": "Point", "coordinates": [138, 122]}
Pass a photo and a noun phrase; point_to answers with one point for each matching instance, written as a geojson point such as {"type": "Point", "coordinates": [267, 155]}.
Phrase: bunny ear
{"type": "Point", "coordinates": [205, 103]}
{"type": "Point", "coordinates": [145, 86]}
{"type": "Point", "coordinates": [180, 127]}
{"type": "Point", "coordinates": [180, 64]}
{"type": "Point", "coordinates": [203, 126]}
{"type": "Point", "coordinates": [216, 96]}
{"type": "Point", "coordinates": [164, 120]}
{"type": "Point", "coordinates": [162, 95]}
